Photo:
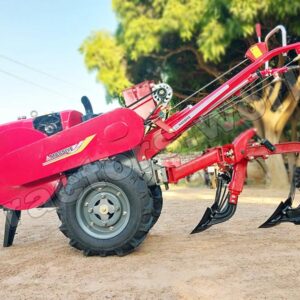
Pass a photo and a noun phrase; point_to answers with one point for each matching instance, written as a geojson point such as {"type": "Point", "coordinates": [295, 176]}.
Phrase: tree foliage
{"type": "Point", "coordinates": [110, 59]}
{"type": "Point", "coordinates": [196, 32]}
{"type": "Point", "coordinates": [187, 43]}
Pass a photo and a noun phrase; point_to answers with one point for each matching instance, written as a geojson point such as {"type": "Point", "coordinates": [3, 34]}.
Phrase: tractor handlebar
{"type": "Point", "coordinates": [275, 30]}
{"type": "Point", "coordinates": [283, 39]}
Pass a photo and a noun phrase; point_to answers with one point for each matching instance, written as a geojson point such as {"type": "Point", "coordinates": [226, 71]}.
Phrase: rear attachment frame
{"type": "Point", "coordinates": [235, 157]}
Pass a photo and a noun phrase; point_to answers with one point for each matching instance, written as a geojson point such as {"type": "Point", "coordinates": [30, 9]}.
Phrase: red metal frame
{"type": "Point", "coordinates": [158, 138]}
{"type": "Point", "coordinates": [238, 154]}
{"type": "Point", "coordinates": [32, 165]}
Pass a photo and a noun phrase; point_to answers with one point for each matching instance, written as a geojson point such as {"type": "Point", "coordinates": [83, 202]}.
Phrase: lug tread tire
{"type": "Point", "coordinates": [156, 194]}
{"type": "Point", "coordinates": [134, 185]}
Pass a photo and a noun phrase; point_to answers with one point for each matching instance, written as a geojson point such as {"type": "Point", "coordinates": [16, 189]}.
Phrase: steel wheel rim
{"type": "Point", "coordinates": [103, 210]}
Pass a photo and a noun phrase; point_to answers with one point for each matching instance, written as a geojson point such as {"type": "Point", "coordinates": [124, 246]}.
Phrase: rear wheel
{"type": "Point", "coordinates": [105, 209]}
{"type": "Point", "coordinates": [156, 194]}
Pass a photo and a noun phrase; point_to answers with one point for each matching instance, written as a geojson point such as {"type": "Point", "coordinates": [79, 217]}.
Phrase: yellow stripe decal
{"type": "Point", "coordinates": [70, 151]}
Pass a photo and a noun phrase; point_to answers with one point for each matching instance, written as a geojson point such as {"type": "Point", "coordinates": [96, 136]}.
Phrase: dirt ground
{"type": "Point", "coordinates": [234, 260]}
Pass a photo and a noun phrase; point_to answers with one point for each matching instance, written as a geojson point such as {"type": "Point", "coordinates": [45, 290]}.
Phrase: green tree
{"type": "Point", "coordinates": [187, 43]}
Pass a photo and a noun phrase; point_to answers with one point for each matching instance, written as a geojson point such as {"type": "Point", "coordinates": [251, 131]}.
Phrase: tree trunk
{"type": "Point", "coordinates": [274, 120]}
{"type": "Point", "coordinates": [277, 172]}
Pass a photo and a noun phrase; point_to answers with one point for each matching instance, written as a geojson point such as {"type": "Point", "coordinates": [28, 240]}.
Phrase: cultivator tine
{"type": "Point", "coordinates": [284, 212]}
{"type": "Point", "coordinates": [276, 216]}
{"type": "Point", "coordinates": [213, 217]}
{"type": "Point", "coordinates": [204, 222]}
{"type": "Point", "coordinates": [221, 210]}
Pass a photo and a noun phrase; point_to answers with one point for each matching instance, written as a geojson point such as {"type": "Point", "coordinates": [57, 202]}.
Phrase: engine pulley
{"type": "Point", "coordinates": [162, 93]}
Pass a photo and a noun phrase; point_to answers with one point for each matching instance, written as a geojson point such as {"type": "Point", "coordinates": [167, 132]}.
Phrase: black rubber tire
{"type": "Point", "coordinates": [141, 206]}
{"type": "Point", "coordinates": [297, 177]}
{"type": "Point", "coordinates": [157, 202]}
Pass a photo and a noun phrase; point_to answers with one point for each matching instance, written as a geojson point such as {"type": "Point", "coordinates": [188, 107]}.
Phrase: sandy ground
{"type": "Point", "coordinates": [234, 260]}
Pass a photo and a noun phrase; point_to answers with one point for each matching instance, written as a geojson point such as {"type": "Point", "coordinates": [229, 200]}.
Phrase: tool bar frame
{"type": "Point", "coordinates": [235, 155]}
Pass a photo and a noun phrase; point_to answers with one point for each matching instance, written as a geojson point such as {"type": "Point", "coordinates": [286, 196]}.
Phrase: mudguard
{"type": "Point", "coordinates": [33, 164]}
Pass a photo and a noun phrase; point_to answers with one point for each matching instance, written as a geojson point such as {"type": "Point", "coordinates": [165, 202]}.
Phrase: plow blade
{"type": "Point", "coordinates": [283, 213]}
{"type": "Point", "coordinates": [221, 210]}
{"type": "Point", "coordinates": [204, 222]}
{"type": "Point", "coordinates": [212, 217]}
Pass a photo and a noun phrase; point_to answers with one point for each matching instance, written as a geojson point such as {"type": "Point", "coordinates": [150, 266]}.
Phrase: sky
{"type": "Point", "coordinates": [40, 66]}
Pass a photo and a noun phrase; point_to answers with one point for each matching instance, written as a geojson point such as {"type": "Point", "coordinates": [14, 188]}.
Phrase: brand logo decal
{"type": "Point", "coordinates": [69, 151]}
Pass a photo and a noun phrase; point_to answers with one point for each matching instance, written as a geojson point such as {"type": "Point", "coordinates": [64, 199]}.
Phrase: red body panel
{"type": "Point", "coordinates": [26, 123]}
{"type": "Point", "coordinates": [139, 91]}
{"type": "Point", "coordinates": [34, 161]}
{"type": "Point", "coordinates": [70, 118]}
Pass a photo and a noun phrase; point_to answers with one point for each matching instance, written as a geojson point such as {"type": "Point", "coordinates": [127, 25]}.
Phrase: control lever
{"type": "Point", "coordinates": [258, 31]}
{"type": "Point", "coordinates": [266, 143]}
{"type": "Point", "coordinates": [89, 113]}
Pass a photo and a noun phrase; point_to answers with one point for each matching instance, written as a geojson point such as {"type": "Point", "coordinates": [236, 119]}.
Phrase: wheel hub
{"type": "Point", "coordinates": [103, 212]}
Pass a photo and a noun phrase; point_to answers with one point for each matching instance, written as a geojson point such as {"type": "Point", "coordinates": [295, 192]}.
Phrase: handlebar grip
{"type": "Point", "coordinates": [268, 145]}
{"type": "Point", "coordinates": [258, 30]}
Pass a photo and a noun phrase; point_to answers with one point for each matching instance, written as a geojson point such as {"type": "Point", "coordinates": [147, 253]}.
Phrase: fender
{"type": "Point", "coordinates": [40, 164]}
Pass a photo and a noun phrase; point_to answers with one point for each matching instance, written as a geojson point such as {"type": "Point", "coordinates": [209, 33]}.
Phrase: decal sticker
{"type": "Point", "coordinates": [256, 52]}
{"type": "Point", "coordinates": [69, 151]}
{"type": "Point", "coordinates": [200, 107]}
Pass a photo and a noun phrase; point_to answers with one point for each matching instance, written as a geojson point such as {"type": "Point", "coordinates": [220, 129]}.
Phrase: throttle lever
{"type": "Point", "coordinates": [268, 144]}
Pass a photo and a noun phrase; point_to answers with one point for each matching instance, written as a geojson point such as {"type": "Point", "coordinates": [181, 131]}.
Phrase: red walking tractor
{"type": "Point", "coordinates": [100, 170]}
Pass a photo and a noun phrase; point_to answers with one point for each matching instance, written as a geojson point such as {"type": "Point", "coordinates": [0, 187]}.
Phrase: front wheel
{"type": "Point", "coordinates": [105, 209]}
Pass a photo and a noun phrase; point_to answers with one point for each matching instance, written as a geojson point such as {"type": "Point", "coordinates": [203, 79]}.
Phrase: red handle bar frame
{"type": "Point", "coordinates": [169, 130]}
